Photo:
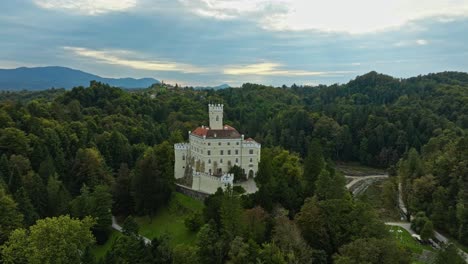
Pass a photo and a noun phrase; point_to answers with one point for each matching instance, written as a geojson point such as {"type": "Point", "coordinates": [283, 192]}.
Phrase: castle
{"type": "Point", "coordinates": [212, 151]}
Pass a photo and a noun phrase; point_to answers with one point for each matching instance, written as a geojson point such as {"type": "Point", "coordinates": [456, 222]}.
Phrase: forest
{"type": "Point", "coordinates": [70, 160]}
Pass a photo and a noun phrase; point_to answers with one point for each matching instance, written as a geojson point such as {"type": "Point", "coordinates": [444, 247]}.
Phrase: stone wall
{"type": "Point", "coordinates": [199, 195]}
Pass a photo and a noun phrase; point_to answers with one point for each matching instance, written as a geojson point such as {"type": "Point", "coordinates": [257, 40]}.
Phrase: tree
{"type": "Point", "coordinates": [330, 185]}
{"type": "Point", "coordinates": [313, 165]}
{"type": "Point", "coordinates": [121, 192]}
{"type": "Point", "coordinates": [449, 254]}
{"type": "Point", "coordinates": [10, 217]}
{"type": "Point", "coordinates": [14, 141]}
{"type": "Point", "coordinates": [213, 207]}
{"type": "Point", "coordinates": [128, 249]}
{"type": "Point", "coordinates": [288, 237]}
{"type": "Point", "coordinates": [57, 196]}
{"type": "Point", "coordinates": [257, 224]}
{"type": "Point", "coordinates": [184, 254]}
{"type": "Point", "coordinates": [241, 252]}
{"type": "Point", "coordinates": [130, 226]}
{"type": "Point", "coordinates": [97, 204]}
{"type": "Point", "coordinates": [372, 251]}
{"type": "Point", "coordinates": [270, 253]}
{"type": "Point", "coordinates": [427, 231]}
{"type": "Point", "coordinates": [89, 168]}
{"type": "Point", "coordinates": [231, 214]}
{"type": "Point", "coordinates": [26, 207]}
{"type": "Point", "coordinates": [152, 183]}
{"type": "Point", "coordinates": [45, 243]}
{"type": "Point", "coordinates": [238, 173]}
{"type": "Point", "coordinates": [211, 248]}
{"type": "Point", "coordinates": [419, 221]}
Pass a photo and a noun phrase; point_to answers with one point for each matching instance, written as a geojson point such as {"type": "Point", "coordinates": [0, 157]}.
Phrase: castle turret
{"type": "Point", "coordinates": [216, 116]}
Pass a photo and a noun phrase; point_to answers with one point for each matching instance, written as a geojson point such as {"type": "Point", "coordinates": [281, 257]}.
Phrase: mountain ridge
{"type": "Point", "coordinates": [41, 78]}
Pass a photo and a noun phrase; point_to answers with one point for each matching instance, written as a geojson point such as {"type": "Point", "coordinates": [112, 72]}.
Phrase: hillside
{"type": "Point", "coordinates": [40, 78]}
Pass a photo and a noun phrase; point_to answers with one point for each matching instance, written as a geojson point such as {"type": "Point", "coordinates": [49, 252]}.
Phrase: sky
{"type": "Point", "coordinates": [212, 42]}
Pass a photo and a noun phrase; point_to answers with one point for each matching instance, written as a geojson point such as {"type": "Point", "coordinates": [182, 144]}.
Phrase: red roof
{"type": "Point", "coordinates": [200, 131]}
{"type": "Point", "coordinates": [227, 132]}
{"type": "Point", "coordinates": [250, 139]}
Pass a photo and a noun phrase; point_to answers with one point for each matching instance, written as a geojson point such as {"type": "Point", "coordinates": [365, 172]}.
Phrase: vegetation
{"type": "Point", "coordinates": [98, 151]}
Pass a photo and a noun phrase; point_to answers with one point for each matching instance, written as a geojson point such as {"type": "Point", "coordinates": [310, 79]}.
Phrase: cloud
{"type": "Point", "coordinates": [358, 16]}
{"type": "Point", "coordinates": [87, 7]}
{"type": "Point", "coordinates": [406, 43]}
{"type": "Point", "coordinates": [268, 68]}
{"type": "Point", "coordinates": [120, 58]}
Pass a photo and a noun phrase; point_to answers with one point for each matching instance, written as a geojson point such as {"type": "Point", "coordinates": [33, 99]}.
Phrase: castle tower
{"type": "Point", "coordinates": [216, 116]}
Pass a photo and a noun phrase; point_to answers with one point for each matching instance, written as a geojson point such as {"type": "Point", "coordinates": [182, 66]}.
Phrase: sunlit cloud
{"type": "Point", "coordinates": [121, 58]}
{"type": "Point", "coordinates": [275, 69]}
{"type": "Point", "coordinates": [87, 7]}
{"type": "Point", "coordinates": [406, 43]}
{"type": "Point", "coordinates": [358, 16]}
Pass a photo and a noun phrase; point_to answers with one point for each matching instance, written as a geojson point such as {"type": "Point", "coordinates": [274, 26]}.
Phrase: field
{"type": "Point", "coordinates": [421, 253]}
{"type": "Point", "coordinates": [373, 196]}
{"type": "Point", "coordinates": [100, 250]}
{"type": "Point", "coordinates": [170, 220]}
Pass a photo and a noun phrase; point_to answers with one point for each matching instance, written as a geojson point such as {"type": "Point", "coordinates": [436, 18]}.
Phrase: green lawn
{"type": "Point", "coordinates": [100, 250]}
{"type": "Point", "coordinates": [373, 196]}
{"type": "Point", "coordinates": [170, 220]}
{"type": "Point", "coordinates": [405, 239]}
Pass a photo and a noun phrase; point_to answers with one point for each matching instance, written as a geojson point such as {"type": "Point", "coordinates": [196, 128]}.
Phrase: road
{"type": "Point", "coordinates": [407, 225]}
{"type": "Point", "coordinates": [359, 184]}
{"type": "Point", "coordinates": [117, 227]}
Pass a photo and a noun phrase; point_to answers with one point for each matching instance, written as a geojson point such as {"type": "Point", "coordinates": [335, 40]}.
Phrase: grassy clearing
{"type": "Point", "coordinates": [405, 239]}
{"type": "Point", "coordinates": [356, 169]}
{"type": "Point", "coordinates": [373, 196]}
{"type": "Point", "coordinates": [170, 220]}
{"type": "Point", "coordinates": [99, 251]}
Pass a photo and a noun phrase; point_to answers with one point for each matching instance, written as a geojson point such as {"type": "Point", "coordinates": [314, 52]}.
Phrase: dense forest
{"type": "Point", "coordinates": [69, 160]}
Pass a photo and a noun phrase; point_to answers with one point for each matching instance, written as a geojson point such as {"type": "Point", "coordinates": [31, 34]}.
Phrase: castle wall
{"type": "Point", "coordinates": [181, 151]}
{"type": "Point", "coordinates": [206, 183]}
{"type": "Point", "coordinates": [214, 155]}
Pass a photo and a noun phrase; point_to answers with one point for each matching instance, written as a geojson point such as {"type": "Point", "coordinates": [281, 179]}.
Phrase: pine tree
{"type": "Point", "coordinates": [313, 165]}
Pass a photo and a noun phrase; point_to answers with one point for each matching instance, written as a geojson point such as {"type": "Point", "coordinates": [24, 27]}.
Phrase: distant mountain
{"type": "Point", "coordinates": [40, 78]}
{"type": "Point", "coordinates": [219, 87]}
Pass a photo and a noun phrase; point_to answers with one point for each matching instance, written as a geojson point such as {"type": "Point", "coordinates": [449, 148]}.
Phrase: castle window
{"type": "Point", "coordinates": [209, 144]}
{"type": "Point", "coordinates": [209, 161]}
{"type": "Point", "coordinates": [229, 143]}
{"type": "Point", "coordinates": [217, 118]}
{"type": "Point", "coordinates": [250, 159]}
{"type": "Point", "coordinates": [229, 152]}
{"type": "Point", "coordinates": [219, 143]}
{"type": "Point", "coordinates": [237, 152]}
{"type": "Point", "coordinates": [221, 152]}
{"type": "Point", "coordinates": [210, 171]}
{"type": "Point", "coordinates": [237, 160]}
{"type": "Point", "coordinates": [251, 151]}
{"type": "Point", "coordinates": [237, 143]}
{"type": "Point", "coordinates": [221, 161]}
{"type": "Point", "coordinates": [183, 157]}
{"type": "Point", "coordinates": [209, 152]}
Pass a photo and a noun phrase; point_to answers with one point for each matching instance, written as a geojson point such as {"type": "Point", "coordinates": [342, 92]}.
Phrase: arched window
{"type": "Point", "coordinates": [209, 161]}
{"type": "Point", "coordinates": [183, 157]}
{"type": "Point", "coordinates": [217, 118]}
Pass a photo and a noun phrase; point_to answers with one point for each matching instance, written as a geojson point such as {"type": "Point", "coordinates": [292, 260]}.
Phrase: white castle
{"type": "Point", "coordinates": [212, 151]}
